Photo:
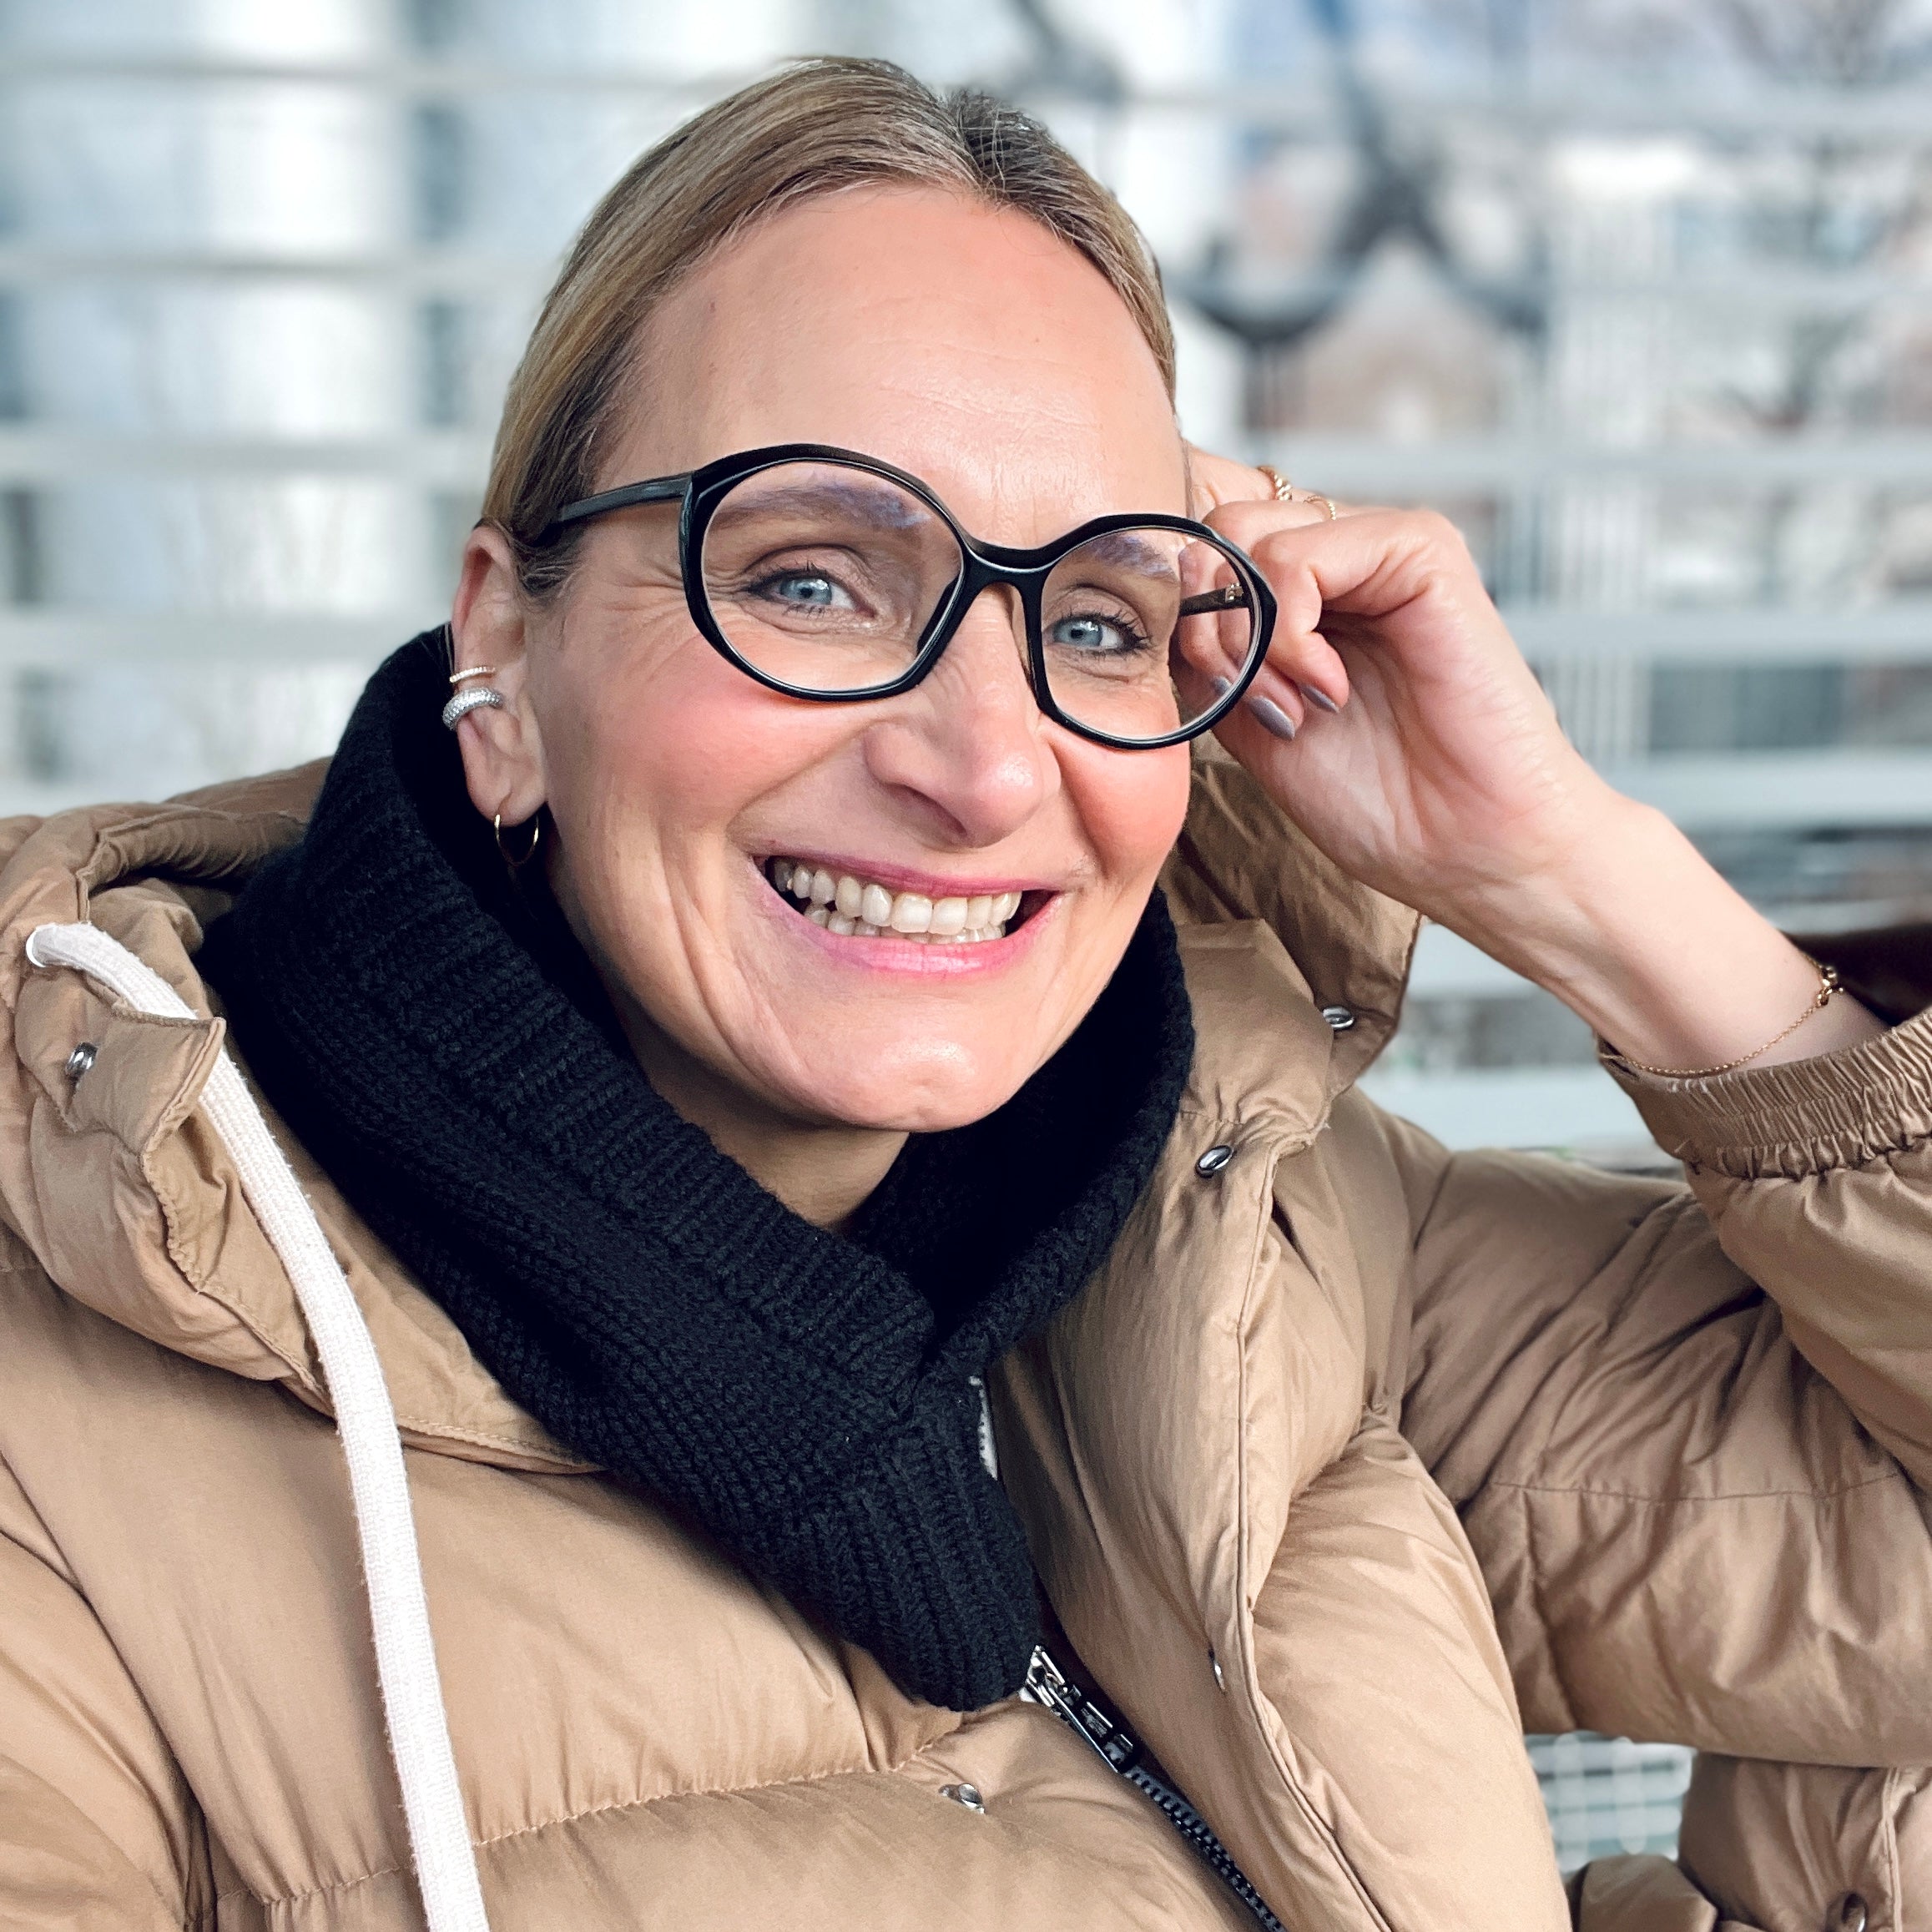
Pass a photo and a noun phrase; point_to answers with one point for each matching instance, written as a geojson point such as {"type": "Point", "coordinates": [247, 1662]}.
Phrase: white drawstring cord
{"type": "Point", "coordinates": [419, 1735]}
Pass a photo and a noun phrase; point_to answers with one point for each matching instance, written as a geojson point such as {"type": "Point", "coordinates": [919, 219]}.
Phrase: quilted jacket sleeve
{"type": "Point", "coordinates": [1689, 1429]}
{"type": "Point", "coordinates": [98, 1831]}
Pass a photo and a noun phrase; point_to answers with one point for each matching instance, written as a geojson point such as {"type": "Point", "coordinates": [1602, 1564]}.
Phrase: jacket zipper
{"type": "Point", "coordinates": [1120, 1750]}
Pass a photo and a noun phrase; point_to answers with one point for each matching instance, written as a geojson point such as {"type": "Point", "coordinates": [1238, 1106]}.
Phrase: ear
{"type": "Point", "coordinates": [503, 750]}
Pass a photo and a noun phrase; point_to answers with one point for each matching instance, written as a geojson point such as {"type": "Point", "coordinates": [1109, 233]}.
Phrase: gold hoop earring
{"type": "Point", "coordinates": [517, 861]}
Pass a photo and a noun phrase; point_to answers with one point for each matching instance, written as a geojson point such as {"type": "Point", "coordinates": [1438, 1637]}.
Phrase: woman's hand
{"type": "Point", "coordinates": [1436, 772]}
{"type": "Point", "coordinates": [1442, 775]}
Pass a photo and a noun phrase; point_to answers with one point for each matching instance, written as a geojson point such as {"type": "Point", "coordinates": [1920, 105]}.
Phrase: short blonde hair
{"type": "Point", "coordinates": [812, 130]}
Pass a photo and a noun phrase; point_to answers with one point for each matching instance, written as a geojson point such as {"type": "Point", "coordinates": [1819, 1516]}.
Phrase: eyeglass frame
{"type": "Point", "coordinates": [699, 491]}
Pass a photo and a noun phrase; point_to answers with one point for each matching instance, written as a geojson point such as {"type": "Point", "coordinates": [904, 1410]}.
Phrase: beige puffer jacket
{"type": "Point", "coordinates": [1356, 1459]}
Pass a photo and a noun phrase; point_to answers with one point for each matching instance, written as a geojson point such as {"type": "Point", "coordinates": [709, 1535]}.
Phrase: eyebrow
{"type": "Point", "coordinates": [1129, 547]}
{"type": "Point", "coordinates": [876, 506]}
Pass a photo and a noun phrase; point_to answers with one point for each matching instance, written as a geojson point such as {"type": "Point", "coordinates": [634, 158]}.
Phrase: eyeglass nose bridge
{"type": "Point", "coordinates": [982, 569]}
{"type": "Point", "coordinates": [988, 567]}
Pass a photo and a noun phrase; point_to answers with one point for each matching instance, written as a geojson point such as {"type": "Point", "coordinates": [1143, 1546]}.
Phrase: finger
{"type": "Point", "coordinates": [1314, 670]}
{"type": "Point", "coordinates": [1275, 711]}
{"type": "Point", "coordinates": [1302, 680]}
{"type": "Point", "coordinates": [1300, 658]}
{"type": "Point", "coordinates": [1366, 566]}
{"type": "Point", "coordinates": [1218, 481]}
{"type": "Point", "coordinates": [1363, 568]}
{"type": "Point", "coordinates": [1246, 522]}
{"type": "Point", "coordinates": [1216, 634]}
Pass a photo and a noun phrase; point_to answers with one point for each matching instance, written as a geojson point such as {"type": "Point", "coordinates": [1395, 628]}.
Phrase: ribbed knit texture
{"type": "Point", "coordinates": [441, 1046]}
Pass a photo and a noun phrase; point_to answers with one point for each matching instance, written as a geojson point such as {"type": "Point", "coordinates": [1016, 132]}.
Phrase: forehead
{"type": "Point", "coordinates": [965, 344]}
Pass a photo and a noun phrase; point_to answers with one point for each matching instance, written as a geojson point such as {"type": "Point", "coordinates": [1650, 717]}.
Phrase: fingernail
{"type": "Point", "coordinates": [1320, 699]}
{"type": "Point", "coordinates": [1273, 718]}
{"type": "Point", "coordinates": [1223, 686]}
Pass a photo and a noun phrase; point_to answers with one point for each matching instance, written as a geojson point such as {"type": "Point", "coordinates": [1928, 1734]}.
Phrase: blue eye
{"type": "Point", "coordinates": [1093, 636]}
{"type": "Point", "coordinates": [806, 590]}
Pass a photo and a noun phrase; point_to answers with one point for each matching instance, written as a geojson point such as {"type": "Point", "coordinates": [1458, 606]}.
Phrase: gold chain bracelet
{"type": "Point", "coordinates": [1827, 984]}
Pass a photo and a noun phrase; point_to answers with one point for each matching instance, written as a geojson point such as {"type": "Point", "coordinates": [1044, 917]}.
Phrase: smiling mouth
{"type": "Point", "coordinates": [859, 908]}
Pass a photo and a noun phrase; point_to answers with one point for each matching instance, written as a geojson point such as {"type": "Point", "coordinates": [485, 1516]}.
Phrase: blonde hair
{"type": "Point", "coordinates": [812, 130]}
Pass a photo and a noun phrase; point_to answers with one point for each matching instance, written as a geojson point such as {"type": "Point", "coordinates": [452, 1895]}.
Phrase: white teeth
{"type": "Point", "coordinates": [859, 909]}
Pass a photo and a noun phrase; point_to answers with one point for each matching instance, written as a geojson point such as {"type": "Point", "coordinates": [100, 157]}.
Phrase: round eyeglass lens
{"type": "Point", "coordinates": [1138, 625]}
{"type": "Point", "coordinates": [825, 577]}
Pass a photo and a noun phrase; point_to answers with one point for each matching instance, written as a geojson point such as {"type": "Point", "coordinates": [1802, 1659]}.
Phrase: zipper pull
{"type": "Point", "coordinates": [1047, 1684]}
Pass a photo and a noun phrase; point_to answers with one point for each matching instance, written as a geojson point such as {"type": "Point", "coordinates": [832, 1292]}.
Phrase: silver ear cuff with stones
{"type": "Point", "coordinates": [477, 698]}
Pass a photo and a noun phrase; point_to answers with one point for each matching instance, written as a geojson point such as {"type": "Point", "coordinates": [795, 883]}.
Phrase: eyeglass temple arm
{"type": "Point", "coordinates": [1226, 598]}
{"type": "Point", "coordinates": [656, 490]}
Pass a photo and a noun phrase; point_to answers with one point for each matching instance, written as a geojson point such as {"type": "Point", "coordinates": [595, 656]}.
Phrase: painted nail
{"type": "Point", "coordinates": [1223, 686]}
{"type": "Point", "coordinates": [1272, 718]}
{"type": "Point", "coordinates": [1320, 699]}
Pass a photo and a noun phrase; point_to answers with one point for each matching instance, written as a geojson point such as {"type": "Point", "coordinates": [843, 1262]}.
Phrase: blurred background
{"type": "Point", "coordinates": [1639, 291]}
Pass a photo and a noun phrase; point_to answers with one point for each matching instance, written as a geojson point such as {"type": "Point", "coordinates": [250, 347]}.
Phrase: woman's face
{"type": "Point", "coordinates": [973, 350]}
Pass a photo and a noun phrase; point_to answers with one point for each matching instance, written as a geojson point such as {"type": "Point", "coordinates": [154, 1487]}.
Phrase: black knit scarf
{"type": "Point", "coordinates": [439, 1043]}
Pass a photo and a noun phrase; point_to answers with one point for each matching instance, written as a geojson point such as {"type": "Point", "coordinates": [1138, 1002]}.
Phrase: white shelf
{"type": "Point", "coordinates": [1784, 789]}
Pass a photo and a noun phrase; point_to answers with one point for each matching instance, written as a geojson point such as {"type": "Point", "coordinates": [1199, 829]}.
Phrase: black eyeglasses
{"type": "Point", "coordinates": [834, 577]}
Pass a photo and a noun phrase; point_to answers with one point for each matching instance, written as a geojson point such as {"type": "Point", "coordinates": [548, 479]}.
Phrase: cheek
{"type": "Point", "coordinates": [1132, 805]}
{"type": "Point", "coordinates": [664, 745]}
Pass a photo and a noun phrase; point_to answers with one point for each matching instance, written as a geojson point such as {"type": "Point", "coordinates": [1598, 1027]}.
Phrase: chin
{"type": "Point", "coordinates": [933, 1088]}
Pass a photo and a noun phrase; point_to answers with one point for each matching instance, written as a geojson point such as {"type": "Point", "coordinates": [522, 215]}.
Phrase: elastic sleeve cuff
{"type": "Point", "coordinates": [1806, 1116]}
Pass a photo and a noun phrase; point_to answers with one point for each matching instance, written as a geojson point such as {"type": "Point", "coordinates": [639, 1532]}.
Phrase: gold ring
{"type": "Point", "coordinates": [1286, 492]}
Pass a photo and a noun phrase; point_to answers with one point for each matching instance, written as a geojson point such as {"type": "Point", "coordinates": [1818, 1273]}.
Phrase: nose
{"type": "Point", "coordinates": [967, 747]}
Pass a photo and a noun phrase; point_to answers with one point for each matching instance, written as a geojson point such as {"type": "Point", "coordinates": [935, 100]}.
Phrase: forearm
{"type": "Point", "coordinates": [1638, 935]}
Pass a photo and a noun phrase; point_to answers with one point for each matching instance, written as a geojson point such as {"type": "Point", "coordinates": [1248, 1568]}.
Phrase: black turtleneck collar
{"type": "Point", "coordinates": [441, 1046]}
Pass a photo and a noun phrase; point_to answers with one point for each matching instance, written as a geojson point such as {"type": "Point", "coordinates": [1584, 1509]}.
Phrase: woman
{"type": "Point", "coordinates": [757, 1032]}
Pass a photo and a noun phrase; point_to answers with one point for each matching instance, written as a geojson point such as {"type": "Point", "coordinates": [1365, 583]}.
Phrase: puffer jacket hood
{"type": "Point", "coordinates": [204, 1283]}
{"type": "Point", "coordinates": [1353, 1458]}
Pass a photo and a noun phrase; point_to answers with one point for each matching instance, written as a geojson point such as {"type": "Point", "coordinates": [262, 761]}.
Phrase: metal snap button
{"type": "Point", "coordinates": [966, 1794]}
{"type": "Point", "coordinates": [1216, 1158]}
{"type": "Point", "coordinates": [1851, 1914]}
{"type": "Point", "coordinates": [1339, 1018]}
{"type": "Point", "coordinates": [82, 1057]}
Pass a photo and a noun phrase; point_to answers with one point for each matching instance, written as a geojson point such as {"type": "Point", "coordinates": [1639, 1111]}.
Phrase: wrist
{"type": "Point", "coordinates": [1557, 918]}
{"type": "Point", "coordinates": [1637, 934]}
